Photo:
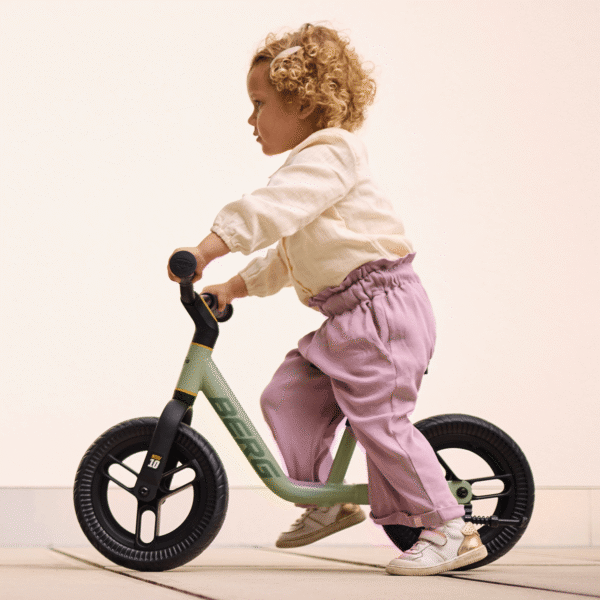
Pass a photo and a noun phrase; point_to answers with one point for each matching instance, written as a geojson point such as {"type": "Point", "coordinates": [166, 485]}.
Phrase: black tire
{"type": "Point", "coordinates": [507, 464]}
{"type": "Point", "coordinates": [123, 544]}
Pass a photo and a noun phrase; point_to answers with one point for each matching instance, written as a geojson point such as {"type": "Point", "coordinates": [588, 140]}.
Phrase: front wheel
{"type": "Point", "coordinates": [495, 479]}
{"type": "Point", "coordinates": [177, 525]}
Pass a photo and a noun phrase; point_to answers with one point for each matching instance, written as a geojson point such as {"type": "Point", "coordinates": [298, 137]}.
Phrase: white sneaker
{"type": "Point", "coordinates": [450, 546]}
{"type": "Point", "coordinates": [319, 522]}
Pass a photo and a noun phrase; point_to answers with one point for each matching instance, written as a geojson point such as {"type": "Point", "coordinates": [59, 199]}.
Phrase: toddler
{"type": "Point", "coordinates": [343, 249]}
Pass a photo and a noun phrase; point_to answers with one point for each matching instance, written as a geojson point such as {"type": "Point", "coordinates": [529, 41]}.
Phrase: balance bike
{"type": "Point", "coordinates": [163, 462]}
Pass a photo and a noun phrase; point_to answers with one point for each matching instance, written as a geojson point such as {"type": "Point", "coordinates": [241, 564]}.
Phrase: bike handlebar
{"type": "Point", "coordinates": [183, 265]}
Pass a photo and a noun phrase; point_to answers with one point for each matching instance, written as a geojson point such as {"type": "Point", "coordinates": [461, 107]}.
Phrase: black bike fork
{"type": "Point", "coordinates": [178, 410]}
{"type": "Point", "coordinates": [157, 460]}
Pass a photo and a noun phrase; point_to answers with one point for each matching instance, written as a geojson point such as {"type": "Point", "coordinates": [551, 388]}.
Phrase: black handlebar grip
{"type": "Point", "coordinates": [213, 303]}
{"type": "Point", "coordinates": [183, 264]}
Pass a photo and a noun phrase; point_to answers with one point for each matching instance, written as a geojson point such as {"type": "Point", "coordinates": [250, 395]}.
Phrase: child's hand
{"type": "Point", "coordinates": [226, 292]}
{"type": "Point", "coordinates": [211, 247]}
{"type": "Point", "coordinates": [200, 261]}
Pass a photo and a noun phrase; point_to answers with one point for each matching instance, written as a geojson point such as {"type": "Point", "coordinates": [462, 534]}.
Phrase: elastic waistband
{"type": "Point", "coordinates": [363, 283]}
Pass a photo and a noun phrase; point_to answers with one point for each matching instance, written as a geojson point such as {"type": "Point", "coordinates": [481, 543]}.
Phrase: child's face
{"type": "Point", "coordinates": [279, 126]}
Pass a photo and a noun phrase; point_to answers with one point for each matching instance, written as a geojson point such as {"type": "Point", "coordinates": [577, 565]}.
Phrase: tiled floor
{"type": "Point", "coordinates": [318, 573]}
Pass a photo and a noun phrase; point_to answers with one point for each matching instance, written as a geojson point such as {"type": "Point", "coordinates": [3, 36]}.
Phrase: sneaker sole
{"type": "Point", "coordinates": [344, 523]}
{"type": "Point", "coordinates": [465, 559]}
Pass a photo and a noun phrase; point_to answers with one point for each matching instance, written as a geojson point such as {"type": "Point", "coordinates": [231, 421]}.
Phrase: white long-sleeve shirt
{"type": "Point", "coordinates": [325, 212]}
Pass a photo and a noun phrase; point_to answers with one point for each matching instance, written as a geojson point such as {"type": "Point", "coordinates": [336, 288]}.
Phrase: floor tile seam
{"type": "Point", "coordinates": [132, 576]}
{"type": "Point", "coordinates": [592, 561]}
{"type": "Point", "coordinates": [327, 558]}
{"type": "Point", "coordinates": [522, 586]}
{"type": "Point", "coordinates": [452, 575]}
{"type": "Point", "coordinates": [544, 565]}
{"type": "Point", "coordinates": [380, 567]}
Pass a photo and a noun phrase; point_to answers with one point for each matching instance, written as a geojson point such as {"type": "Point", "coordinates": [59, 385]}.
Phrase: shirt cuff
{"type": "Point", "coordinates": [265, 276]}
{"type": "Point", "coordinates": [228, 239]}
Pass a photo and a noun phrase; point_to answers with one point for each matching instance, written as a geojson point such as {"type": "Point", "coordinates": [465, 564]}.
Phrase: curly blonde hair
{"type": "Point", "coordinates": [326, 72]}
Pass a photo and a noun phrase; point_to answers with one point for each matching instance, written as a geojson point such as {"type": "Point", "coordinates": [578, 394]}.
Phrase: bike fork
{"type": "Point", "coordinates": [157, 457]}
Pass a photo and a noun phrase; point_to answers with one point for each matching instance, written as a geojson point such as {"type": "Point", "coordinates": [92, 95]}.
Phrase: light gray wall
{"type": "Point", "coordinates": [45, 517]}
{"type": "Point", "coordinates": [123, 131]}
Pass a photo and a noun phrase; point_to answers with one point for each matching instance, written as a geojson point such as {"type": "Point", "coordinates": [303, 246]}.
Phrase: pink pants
{"type": "Point", "coordinates": [366, 362]}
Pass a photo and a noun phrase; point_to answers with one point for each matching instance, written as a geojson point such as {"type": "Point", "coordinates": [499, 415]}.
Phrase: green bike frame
{"type": "Point", "coordinates": [200, 374]}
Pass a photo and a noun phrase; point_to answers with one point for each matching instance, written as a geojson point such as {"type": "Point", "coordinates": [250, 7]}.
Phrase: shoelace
{"type": "Point", "coordinates": [303, 516]}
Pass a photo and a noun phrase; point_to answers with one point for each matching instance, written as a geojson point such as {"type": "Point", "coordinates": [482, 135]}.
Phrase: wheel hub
{"type": "Point", "coordinates": [462, 491]}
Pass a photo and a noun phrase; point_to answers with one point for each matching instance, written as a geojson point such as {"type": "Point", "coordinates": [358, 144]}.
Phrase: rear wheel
{"type": "Point", "coordinates": [486, 468]}
{"type": "Point", "coordinates": [172, 529]}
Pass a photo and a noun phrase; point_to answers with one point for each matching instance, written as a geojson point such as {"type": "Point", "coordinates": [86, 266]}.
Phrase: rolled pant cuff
{"type": "Point", "coordinates": [429, 520]}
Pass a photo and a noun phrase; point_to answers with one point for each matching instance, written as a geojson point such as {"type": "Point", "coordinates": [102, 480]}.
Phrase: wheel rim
{"type": "Point", "coordinates": [507, 463]}
{"type": "Point", "coordinates": [132, 537]}
{"type": "Point", "coordinates": [509, 503]}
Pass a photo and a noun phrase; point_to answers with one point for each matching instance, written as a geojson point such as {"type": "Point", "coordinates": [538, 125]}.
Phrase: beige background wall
{"type": "Point", "coordinates": [123, 130]}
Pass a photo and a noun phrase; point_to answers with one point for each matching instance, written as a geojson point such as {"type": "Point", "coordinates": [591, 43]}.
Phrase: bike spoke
{"type": "Point", "coordinates": [505, 479]}
{"type": "Point", "coordinates": [177, 469]}
{"type": "Point", "coordinates": [127, 489]}
{"type": "Point", "coordinates": [199, 478]}
{"type": "Point", "coordinates": [172, 493]}
{"type": "Point", "coordinates": [113, 479]}
{"type": "Point", "coordinates": [138, 526]}
{"type": "Point", "coordinates": [168, 476]}
{"type": "Point", "coordinates": [450, 476]}
{"type": "Point", "coordinates": [142, 509]}
{"type": "Point", "coordinates": [157, 521]}
{"type": "Point", "coordinates": [501, 494]}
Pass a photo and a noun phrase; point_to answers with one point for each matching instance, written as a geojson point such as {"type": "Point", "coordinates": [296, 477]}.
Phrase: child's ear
{"type": "Point", "coordinates": [306, 109]}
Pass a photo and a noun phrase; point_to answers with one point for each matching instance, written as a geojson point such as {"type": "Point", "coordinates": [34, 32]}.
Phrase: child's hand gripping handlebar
{"type": "Point", "coordinates": [183, 265]}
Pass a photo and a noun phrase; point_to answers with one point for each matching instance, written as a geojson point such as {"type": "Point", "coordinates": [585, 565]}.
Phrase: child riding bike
{"type": "Point", "coordinates": [344, 250]}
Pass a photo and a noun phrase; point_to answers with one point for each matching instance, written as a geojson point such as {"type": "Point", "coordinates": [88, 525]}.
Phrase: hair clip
{"type": "Point", "coordinates": [287, 52]}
